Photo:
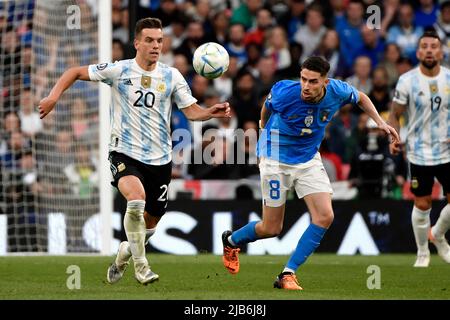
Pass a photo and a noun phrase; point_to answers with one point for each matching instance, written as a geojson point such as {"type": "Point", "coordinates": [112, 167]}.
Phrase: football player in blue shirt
{"type": "Point", "coordinates": [293, 121]}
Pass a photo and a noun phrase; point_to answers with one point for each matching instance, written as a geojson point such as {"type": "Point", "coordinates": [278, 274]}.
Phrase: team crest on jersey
{"type": "Point", "coordinates": [310, 111]}
{"type": "Point", "coordinates": [121, 167]}
{"type": "Point", "coordinates": [433, 88]}
{"type": "Point", "coordinates": [146, 81]}
{"type": "Point", "coordinates": [324, 115]}
{"type": "Point", "coordinates": [101, 66]}
{"type": "Point", "coordinates": [309, 120]}
{"type": "Point", "coordinates": [161, 87]}
{"type": "Point", "coordinates": [414, 183]}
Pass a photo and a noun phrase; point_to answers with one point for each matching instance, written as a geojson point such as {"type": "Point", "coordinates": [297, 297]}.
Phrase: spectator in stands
{"type": "Point", "coordinates": [195, 36]}
{"type": "Point", "coordinates": [442, 27]}
{"type": "Point", "coordinates": [246, 150]}
{"type": "Point", "coordinates": [405, 33]}
{"type": "Point", "coordinates": [328, 49]}
{"type": "Point", "coordinates": [236, 46]}
{"type": "Point", "coordinates": [245, 98]}
{"type": "Point", "coordinates": [293, 18]}
{"type": "Point", "coordinates": [392, 55]}
{"type": "Point", "coordinates": [369, 168]}
{"type": "Point", "coordinates": [404, 64]}
{"type": "Point", "coordinates": [11, 123]}
{"type": "Point", "coordinates": [220, 23]}
{"type": "Point", "coordinates": [349, 30]}
{"type": "Point", "coordinates": [266, 75]}
{"type": "Point", "coordinates": [199, 86]}
{"type": "Point", "coordinates": [254, 53]}
{"type": "Point", "coordinates": [167, 55]}
{"type": "Point", "coordinates": [224, 83]}
{"type": "Point", "coordinates": [118, 50]}
{"type": "Point", "coordinates": [361, 77]}
{"type": "Point", "coordinates": [177, 30]}
{"type": "Point", "coordinates": [180, 62]}
{"type": "Point", "coordinates": [278, 48]}
{"type": "Point", "coordinates": [245, 14]}
{"type": "Point", "coordinates": [29, 119]}
{"type": "Point", "coordinates": [257, 34]}
{"type": "Point", "coordinates": [380, 94]}
{"type": "Point", "coordinates": [426, 14]}
{"type": "Point", "coordinates": [16, 143]}
{"type": "Point", "coordinates": [340, 130]}
{"type": "Point", "coordinates": [310, 34]}
{"type": "Point", "coordinates": [200, 12]}
{"type": "Point", "coordinates": [373, 45]}
{"type": "Point", "coordinates": [82, 174]}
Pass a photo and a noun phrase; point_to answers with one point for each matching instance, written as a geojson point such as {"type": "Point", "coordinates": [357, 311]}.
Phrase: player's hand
{"type": "Point", "coordinates": [391, 133]}
{"type": "Point", "coordinates": [220, 110]}
{"type": "Point", "coordinates": [395, 148]}
{"type": "Point", "coordinates": [45, 106]}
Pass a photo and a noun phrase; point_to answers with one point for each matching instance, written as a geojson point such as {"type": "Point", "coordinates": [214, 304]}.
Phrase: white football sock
{"type": "Point", "coordinates": [286, 269]}
{"type": "Point", "coordinates": [134, 225]}
{"type": "Point", "coordinates": [148, 234]}
{"type": "Point", "coordinates": [442, 224]}
{"type": "Point", "coordinates": [421, 223]}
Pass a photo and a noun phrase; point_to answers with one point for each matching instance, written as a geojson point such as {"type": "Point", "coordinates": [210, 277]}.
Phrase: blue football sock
{"type": "Point", "coordinates": [245, 234]}
{"type": "Point", "coordinates": [307, 244]}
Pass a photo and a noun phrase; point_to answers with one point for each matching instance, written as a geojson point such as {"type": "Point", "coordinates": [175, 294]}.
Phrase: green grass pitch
{"type": "Point", "coordinates": [202, 277]}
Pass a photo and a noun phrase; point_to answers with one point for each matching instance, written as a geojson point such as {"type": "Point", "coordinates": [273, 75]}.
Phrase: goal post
{"type": "Point", "coordinates": [106, 201]}
{"type": "Point", "coordinates": [55, 192]}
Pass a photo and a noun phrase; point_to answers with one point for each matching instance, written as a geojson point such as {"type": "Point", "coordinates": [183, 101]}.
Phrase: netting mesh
{"type": "Point", "coordinates": [49, 167]}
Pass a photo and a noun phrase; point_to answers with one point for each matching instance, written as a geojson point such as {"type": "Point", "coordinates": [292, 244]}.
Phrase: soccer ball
{"type": "Point", "coordinates": [210, 60]}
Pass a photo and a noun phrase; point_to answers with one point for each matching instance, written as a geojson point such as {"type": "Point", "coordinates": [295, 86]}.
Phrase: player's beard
{"type": "Point", "coordinates": [429, 65]}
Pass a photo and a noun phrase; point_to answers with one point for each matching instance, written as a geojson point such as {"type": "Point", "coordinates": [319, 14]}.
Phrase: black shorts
{"type": "Point", "coordinates": [422, 178]}
{"type": "Point", "coordinates": [155, 180]}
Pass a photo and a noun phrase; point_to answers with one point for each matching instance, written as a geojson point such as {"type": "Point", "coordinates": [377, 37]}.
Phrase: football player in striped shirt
{"type": "Point", "coordinates": [423, 93]}
{"type": "Point", "coordinates": [140, 148]}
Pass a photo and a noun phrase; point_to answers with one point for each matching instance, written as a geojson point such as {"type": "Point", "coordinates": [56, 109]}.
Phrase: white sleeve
{"type": "Point", "coordinates": [104, 72]}
{"type": "Point", "coordinates": [401, 92]}
{"type": "Point", "coordinates": [182, 94]}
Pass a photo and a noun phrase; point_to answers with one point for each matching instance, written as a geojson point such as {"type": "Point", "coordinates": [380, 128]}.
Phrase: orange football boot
{"type": "Point", "coordinates": [230, 256]}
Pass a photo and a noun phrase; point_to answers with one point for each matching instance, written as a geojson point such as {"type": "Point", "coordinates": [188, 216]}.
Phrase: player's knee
{"type": "Point", "coordinates": [136, 195]}
{"type": "Point", "coordinates": [324, 220]}
{"type": "Point", "coordinates": [422, 204]}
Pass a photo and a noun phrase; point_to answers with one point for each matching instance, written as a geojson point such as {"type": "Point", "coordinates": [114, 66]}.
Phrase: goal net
{"type": "Point", "coordinates": [49, 194]}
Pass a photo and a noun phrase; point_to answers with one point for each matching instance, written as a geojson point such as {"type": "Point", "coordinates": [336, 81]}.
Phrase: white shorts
{"type": "Point", "coordinates": [277, 179]}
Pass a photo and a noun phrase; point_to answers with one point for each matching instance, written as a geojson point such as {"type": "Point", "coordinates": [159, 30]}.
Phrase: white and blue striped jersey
{"type": "Point", "coordinates": [141, 107]}
{"type": "Point", "coordinates": [427, 100]}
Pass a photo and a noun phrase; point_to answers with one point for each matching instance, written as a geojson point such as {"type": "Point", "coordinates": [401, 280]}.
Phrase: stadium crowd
{"type": "Point", "coordinates": [266, 41]}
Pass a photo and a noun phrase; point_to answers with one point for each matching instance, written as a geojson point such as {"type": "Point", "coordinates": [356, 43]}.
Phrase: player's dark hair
{"type": "Point", "coordinates": [316, 64]}
{"type": "Point", "coordinates": [147, 23]}
{"type": "Point", "coordinates": [430, 34]}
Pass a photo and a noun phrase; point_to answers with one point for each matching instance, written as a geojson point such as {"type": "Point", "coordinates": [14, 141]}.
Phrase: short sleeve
{"type": "Point", "coordinates": [104, 72]}
{"type": "Point", "coordinates": [348, 92]}
{"type": "Point", "coordinates": [182, 94]}
{"type": "Point", "coordinates": [401, 92]}
{"type": "Point", "coordinates": [268, 102]}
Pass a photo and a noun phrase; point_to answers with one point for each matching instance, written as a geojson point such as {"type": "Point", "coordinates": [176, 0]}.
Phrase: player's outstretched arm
{"type": "Point", "coordinates": [196, 113]}
{"type": "Point", "coordinates": [65, 81]}
{"type": "Point", "coordinates": [368, 107]}
{"type": "Point", "coordinates": [394, 116]}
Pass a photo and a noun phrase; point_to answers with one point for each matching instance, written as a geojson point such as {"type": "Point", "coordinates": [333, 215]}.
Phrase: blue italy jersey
{"type": "Point", "coordinates": [296, 128]}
